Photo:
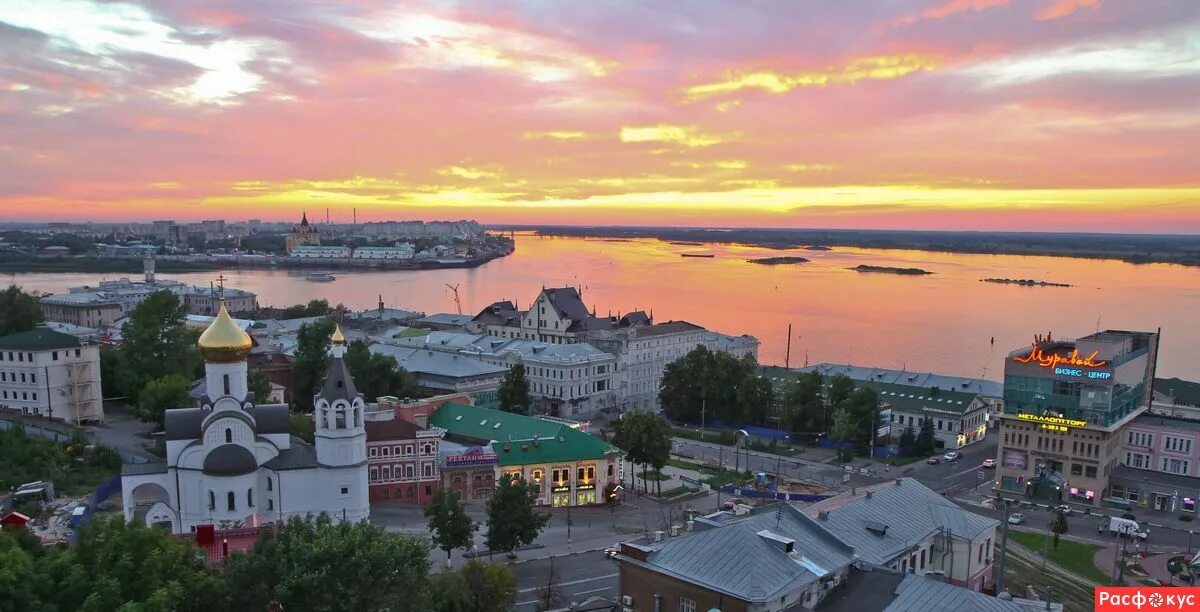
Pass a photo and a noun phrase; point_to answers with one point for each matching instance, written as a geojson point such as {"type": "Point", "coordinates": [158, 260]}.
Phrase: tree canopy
{"type": "Point", "coordinates": [158, 396]}
{"type": "Point", "coordinates": [803, 404]}
{"type": "Point", "coordinates": [19, 311]}
{"type": "Point", "coordinates": [926, 442]}
{"type": "Point", "coordinates": [722, 386]}
{"type": "Point", "coordinates": [646, 439]}
{"type": "Point", "coordinates": [477, 587]}
{"type": "Point", "coordinates": [316, 564]}
{"type": "Point", "coordinates": [514, 391]}
{"type": "Point", "coordinates": [116, 566]}
{"type": "Point", "coordinates": [448, 521]}
{"type": "Point", "coordinates": [259, 386]}
{"type": "Point", "coordinates": [311, 361]}
{"type": "Point", "coordinates": [376, 374]}
{"type": "Point", "coordinates": [156, 343]}
{"type": "Point", "coordinates": [512, 519]}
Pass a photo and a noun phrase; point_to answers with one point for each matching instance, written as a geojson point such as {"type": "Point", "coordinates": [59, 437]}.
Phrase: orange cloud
{"type": "Point", "coordinates": [864, 68]}
{"type": "Point", "coordinates": [1062, 8]}
{"type": "Point", "coordinates": [952, 7]}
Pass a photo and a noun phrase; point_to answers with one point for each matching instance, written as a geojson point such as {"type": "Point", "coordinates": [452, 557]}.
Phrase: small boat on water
{"type": "Point", "coordinates": [319, 277]}
{"type": "Point", "coordinates": [710, 255]}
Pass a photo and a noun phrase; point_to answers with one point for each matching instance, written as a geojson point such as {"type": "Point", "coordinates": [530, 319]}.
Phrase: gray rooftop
{"type": "Point", "coordinates": [925, 512]}
{"type": "Point", "coordinates": [424, 361]}
{"type": "Point", "coordinates": [184, 423]}
{"type": "Point", "coordinates": [670, 327]}
{"type": "Point", "coordinates": [929, 595]}
{"type": "Point", "coordinates": [446, 318]}
{"type": "Point", "coordinates": [299, 455]}
{"type": "Point", "coordinates": [1181, 392]}
{"type": "Point", "coordinates": [746, 558]}
{"type": "Point", "coordinates": [981, 386]}
{"type": "Point", "coordinates": [339, 385]}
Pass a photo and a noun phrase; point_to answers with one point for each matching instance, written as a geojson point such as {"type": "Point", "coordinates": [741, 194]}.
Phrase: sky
{"type": "Point", "coordinates": [1054, 115]}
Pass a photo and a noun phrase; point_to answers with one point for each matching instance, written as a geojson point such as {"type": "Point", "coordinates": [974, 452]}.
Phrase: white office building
{"type": "Point", "coordinates": [50, 374]}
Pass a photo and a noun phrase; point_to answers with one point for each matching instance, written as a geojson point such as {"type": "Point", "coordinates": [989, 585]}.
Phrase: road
{"type": "Point", "coordinates": [576, 577]}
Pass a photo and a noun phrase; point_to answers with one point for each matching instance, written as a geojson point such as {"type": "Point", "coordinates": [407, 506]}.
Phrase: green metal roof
{"type": "Point", "coordinates": [40, 339]}
{"type": "Point", "coordinates": [517, 439]}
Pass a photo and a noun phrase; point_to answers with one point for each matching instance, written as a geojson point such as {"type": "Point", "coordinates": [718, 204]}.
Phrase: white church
{"type": "Point", "coordinates": [230, 463]}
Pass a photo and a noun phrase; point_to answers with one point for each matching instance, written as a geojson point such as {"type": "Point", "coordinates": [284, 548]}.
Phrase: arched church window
{"type": "Point", "coordinates": [231, 501]}
{"type": "Point", "coordinates": [358, 417]}
{"type": "Point", "coordinates": [228, 435]}
{"type": "Point", "coordinates": [212, 500]}
{"type": "Point", "coordinates": [339, 417]}
{"type": "Point", "coordinates": [227, 391]}
{"type": "Point", "coordinates": [250, 498]}
{"type": "Point", "coordinates": [270, 484]}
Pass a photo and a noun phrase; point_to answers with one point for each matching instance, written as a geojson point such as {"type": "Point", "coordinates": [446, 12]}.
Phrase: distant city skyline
{"type": "Point", "coordinates": [1034, 115]}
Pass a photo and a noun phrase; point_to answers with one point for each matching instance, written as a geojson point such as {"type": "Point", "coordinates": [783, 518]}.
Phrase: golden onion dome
{"type": "Point", "coordinates": [337, 339]}
{"type": "Point", "coordinates": [224, 341]}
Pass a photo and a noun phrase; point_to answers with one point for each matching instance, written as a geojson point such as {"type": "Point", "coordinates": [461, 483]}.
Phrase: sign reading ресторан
{"type": "Point", "coordinates": [1047, 420]}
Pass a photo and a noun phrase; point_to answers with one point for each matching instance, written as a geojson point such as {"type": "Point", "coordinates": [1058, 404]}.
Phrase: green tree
{"type": "Point", "coordinates": [756, 396]}
{"type": "Point", "coordinates": [512, 519]}
{"type": "Point", "coordinates": [926, 440]}
{"type": "Point", "coordinates": [514, 391]}
{"type": "Point", "coordinates": [302, 426]}
{"type": "Point", "coordinates": [803, 405]}
{"type": "Point", "coordinates": [845, 428]}
{"type": "Point", "coordinates": [128, 566]}
{"type": "Point", "coordinates": [908, 439]}
{"type": "Point", "coordinates": [112, 371]}
{"type": "Point", "coordinates": [156, 343]}
{"type": "Point", "coordinates": [260, 387]}
{"type": "Point", "coordinates": [646, 439]}
{"type": "Point", "coordinates": [715, 386]}
{"type": "Point", "coordinates": [492, 587]}
{"type": "Point", "coordinates": [311, 361]}
{"type": "Point", "coordinates": [19, 311]}
{"type": "Point", "coordinates": [319, 565]}
{"type": "Point", "coordinates": [377, 374]}
{"type": "Point", "coordinates": [863, 406]}
{"type": "Point", "coordinates": [158, 396]}
{"type": "Point", "coordinates": [840, 388]}
{"type": "Point", "coordinates": [1059, 526]}
{"type": "Point", "coordinates": [448, 522]}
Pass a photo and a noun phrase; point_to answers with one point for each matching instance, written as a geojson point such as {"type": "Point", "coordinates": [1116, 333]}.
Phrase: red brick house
{"type": "Point", "coordinates": [402, 462]}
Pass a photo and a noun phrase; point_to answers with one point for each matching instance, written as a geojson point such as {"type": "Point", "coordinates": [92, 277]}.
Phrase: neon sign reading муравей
{"type": "Point", "coordinates": [1053, 360]}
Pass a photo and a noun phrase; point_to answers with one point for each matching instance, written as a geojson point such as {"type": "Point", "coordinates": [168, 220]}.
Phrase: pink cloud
{"type": "Point", "coordinates": [1062, 8]}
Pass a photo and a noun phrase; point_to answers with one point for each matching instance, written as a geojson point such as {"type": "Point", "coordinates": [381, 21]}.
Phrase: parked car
{"type": "Point", "coordinates": [952, 456]}
{"type": "Point", "coordinates": [1016, 518]}
{"type": "Point", "coordinates": [933, 460]}
{"type": "Point", "coordinates": [730, 503]}
{"type": "Point", "coordinates": [612, 551]}
{"type": "Point", "coordinates": [989, 463]}
{"type": "Point", "coordinates": [1064, 509]}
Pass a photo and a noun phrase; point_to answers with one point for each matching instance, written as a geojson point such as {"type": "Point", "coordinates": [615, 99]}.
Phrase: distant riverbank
{"type": "Point", "coordinates": [1132, 248]}
{"type": "Point", "coordinates": [100, 265]}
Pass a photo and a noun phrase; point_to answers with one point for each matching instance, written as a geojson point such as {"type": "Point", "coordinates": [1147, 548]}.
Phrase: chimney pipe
{"type": "Point", "coordinates": [823, 515]}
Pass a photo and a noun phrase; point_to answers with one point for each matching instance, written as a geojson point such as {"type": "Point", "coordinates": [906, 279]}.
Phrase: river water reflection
{"type": "Point", "coordinates": [942, 322]}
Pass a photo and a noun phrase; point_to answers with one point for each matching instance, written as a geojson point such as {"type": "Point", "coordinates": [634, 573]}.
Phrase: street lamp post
{"type": "Point", "coordinates": [1003, 549]}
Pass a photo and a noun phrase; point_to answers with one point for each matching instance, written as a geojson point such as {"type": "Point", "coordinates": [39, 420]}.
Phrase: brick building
{"type": "Point", "coordinates": [402, 462]}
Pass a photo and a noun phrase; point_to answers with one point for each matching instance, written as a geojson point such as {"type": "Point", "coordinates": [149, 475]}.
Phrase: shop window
{"type": "Point", "coordinates": [1090, 471]}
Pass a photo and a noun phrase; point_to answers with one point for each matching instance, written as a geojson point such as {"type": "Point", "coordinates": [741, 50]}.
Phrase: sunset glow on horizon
{"type": "Point", "coordinates": [1054, 115]}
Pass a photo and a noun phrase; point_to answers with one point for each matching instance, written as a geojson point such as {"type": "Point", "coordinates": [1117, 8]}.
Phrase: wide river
{"type": "Point", "coordinates": [944, 322]}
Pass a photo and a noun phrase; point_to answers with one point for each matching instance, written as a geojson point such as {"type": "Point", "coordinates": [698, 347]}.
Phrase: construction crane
{"type": "Point", "coordinates": [457, 301]}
